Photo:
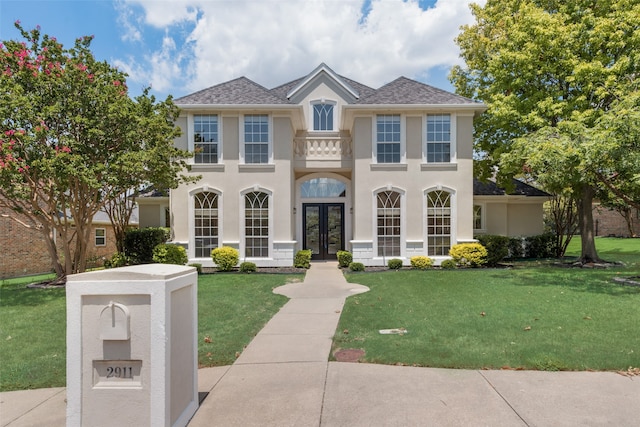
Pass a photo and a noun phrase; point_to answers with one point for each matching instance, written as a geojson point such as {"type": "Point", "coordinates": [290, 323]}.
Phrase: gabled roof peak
{"type": "Point", "coordinates": [323, 68]}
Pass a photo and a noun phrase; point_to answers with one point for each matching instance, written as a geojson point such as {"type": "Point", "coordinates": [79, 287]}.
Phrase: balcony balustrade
{"type": "Point", "coordinates": [319, 151]}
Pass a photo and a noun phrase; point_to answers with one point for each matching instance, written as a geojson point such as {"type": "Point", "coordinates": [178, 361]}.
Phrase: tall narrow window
{"type": "Point", "coordinates": [206, 223]}
{"type": "Point", "coordinates": [256, 223]}
{"type": "Point", "coordinates": [438, 222]}
{"type": "Point", "coordinates": [256, 138]}
{"type": "Point", "coordinates": [205, 138]}
{"type": "Point", "coordinates": [388, 223]}
{"type": "Point", "coordinates": [438, 138]}
{"type": "Point", "coordinates": [388, 138]}
{"type": "Point", "coordinates": [477, 217]}
{"type": "Point", "coordinates": [323, 117]}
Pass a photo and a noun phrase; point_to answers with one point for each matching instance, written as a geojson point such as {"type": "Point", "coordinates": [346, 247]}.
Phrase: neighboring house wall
{"type": "Point", "coordinates": [25, 252]}
{"type": "Point", "coordinates": [153, 212]}
{"type": "Point", "coordinates": [511, 216]}
{"type": "Point", "coordinates": [23, 249]}
{"type": "Point", "coordinates": [609, 222]}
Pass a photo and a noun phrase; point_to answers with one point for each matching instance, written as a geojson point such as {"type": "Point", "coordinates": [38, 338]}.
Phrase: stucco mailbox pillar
{"type": "Point", "coordinates": [132, 357]}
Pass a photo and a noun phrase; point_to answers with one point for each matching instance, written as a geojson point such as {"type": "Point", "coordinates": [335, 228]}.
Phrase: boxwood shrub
{"type": "Point", "coordinates": [248, 267]}
{"type": "Point", "coordinates": [356, 266]}
{"type": "Point", "coordinates": [165, 253]}
{"type": "Point", "coordinates": [225, 258]}
{"type": "Point", "coordinates": [394, 264]}
{"type": "Point", "coordinates": [469, 254]}
{"type": "Point", "coordinates": [303, 258]}
{"type": "Point", "coordinates": [344, 258]}
{"type": "Point", "coordinates": [421, 262]}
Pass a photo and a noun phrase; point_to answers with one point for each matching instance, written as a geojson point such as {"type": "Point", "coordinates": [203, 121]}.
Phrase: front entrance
{"type": "Point", "coordinates": [323, 229]}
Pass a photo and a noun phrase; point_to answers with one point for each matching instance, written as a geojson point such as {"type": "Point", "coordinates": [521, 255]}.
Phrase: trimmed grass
{"type": "Point", "coordinates": [232, 309]}
{"type": "Point", "coordinates": [533, 316]}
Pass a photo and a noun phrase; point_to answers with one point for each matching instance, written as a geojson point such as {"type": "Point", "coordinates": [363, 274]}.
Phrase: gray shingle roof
{"type": "Point", "coordinates": [234, 92]}
{"type": "Point", "coordinates": [406, 92]}
{"type": "Point", "coordinates": [490, 188]}
{"type": "Point", "coordinates": [402, 91]}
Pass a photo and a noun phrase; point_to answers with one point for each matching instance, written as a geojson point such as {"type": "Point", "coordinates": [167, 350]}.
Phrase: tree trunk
{"type": "Point", "coordinates": [49, 239]}
{"type": "Point", "coordinates": [588, 253]}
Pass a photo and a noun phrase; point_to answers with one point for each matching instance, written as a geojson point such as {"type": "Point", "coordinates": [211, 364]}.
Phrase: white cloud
{"type": "Point", "coordinates": [275, 41]}
{"type": "Point", "coordinates": [125, 17]}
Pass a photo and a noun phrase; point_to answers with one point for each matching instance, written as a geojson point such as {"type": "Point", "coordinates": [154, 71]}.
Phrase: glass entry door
{"type": "Point", "coordinates": [323, 228]}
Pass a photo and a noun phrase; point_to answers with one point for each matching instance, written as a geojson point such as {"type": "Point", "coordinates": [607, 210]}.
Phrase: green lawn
{"type": "Point", "coordinates": [533, 316]}
{"type": "Point", "coordinates": [232, 309]}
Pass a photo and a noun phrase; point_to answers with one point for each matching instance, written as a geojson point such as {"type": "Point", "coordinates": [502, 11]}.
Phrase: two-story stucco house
{"type": "Point", "coordinates": [326, 163]}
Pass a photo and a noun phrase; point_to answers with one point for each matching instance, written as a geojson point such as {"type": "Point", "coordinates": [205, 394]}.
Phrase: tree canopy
{"type": "Point", "coordinates": [72, 139]}
{"type": "Point", "coordinates": [560, 80]}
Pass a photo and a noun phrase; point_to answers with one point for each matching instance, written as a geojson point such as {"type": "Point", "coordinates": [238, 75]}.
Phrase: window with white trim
{"type": "Point", "coordinates": [438, 138]}
{"type": "Point", "coordinates": [478, 213]}
{"type": "Point", "coordinates": [101, 237]}
{"type": "Point", "coordinates": [438, 222]}
{"type": "Point", "coordinates": [205, 138]}
{"type": "Point", "coordinates": [388, 138]}
{"type": "Point", "coordinates": [322, 116]}
{"type": "Point", "coordinates": [256, 224]}
{"type": "Point", "coordinates": [388, 215]}
{"type": "Point", "coordinates": [206, 224]}
{"type": "Point", "coordinates": [256, 139]}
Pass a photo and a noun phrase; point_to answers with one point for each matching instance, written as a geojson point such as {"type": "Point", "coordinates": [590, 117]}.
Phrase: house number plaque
{"type": "Point", "coordinates": [117, 373]}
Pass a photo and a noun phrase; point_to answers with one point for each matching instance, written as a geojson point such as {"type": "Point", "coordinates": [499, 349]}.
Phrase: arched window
{"type": "Point", "coordinates": [256, 222]}
{"type": "Point", "coordinates": [323, 116]}
{"type": "Point", "coordinates": [438, 222]}
{"type": "Point", "coordinates": [322, 188]}
{"type": "Point", "coordinates": [206, 223]}
{"type": "Point", "coordinates": [388, 223]}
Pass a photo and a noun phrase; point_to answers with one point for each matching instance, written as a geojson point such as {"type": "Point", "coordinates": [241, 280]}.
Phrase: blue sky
{"type": "Point", "coordinates": [178, 47]}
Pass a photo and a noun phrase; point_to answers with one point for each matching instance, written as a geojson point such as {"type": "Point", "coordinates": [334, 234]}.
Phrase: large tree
{"type": "Point", "coordinates": [549, 71]}
{"type": "Point", "coordinates": [71, 140]}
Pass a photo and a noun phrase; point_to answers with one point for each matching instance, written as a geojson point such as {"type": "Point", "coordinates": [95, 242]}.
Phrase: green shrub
{"type": "Point", "coordinates": [248, 267]}
{"type": "Point", "coordinates": [344, 258]}
{"type": "Point", "coordinates": [541, 246]}
{"type": "Point", "coordinates": [225, 257]}
{"type": "Point", "coordinates": [394, 264]}
{"type": "Point", "coordinates": [421, 262]}
{"type": "Point", "coordinates": [139, 243]}
{"type": "Point", "coordinates": [469, 254]}
{"type": "Point", "coordinates": [166, 253]}
{"type": "Point", "coordinates": [117, 260]}
{"type": "Point", "coordinates": [448, 264]}
{"type": "Point", "coordinates": [198, 267]}
{"type": "Point", "coordinates": [303, 258]}
{"type": "Point", "coordinates": [497, 248]}
{"type": "Point", "coordinates": [516, 247]}
{"type": "Point", "coordinates": [356, 266]}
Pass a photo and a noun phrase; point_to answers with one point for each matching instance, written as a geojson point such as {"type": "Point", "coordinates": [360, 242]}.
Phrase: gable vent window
{"type": "Point", "coordinates": [323, 117]}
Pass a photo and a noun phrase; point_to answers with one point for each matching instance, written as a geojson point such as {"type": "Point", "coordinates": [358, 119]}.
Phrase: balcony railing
{"type": "Point", "coordinates": [330, 147]}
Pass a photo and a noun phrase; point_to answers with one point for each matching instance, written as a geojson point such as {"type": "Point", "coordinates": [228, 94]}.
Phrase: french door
{"type": "Point", "coordinates": [323, 229]}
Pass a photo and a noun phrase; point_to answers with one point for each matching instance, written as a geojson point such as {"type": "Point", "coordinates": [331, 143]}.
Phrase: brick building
{"type": "Point", "coordinates": [24, 251]}
{"type": "Point", "coordinates": [610, 222]}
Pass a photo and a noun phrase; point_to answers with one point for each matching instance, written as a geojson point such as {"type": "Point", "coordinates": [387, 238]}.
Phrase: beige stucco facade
{"type": "Point", "coordinates": [302, 163]}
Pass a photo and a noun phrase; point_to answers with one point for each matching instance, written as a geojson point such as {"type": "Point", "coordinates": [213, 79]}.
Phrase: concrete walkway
{"type": "Point", "coordinates": [283, 379]}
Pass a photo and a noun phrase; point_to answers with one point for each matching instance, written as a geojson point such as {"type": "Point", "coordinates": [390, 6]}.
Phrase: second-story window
{"type": "Point", "coordinates": [388, 138]}
{"type": "Point", "coordinates": [256, 138]}
{"type": "Point", "coordinates": [323, 117]}
{"type": "Point", "coordinates": [205, 138]}
{"type": "Point", "coordinates": [438, 138]}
